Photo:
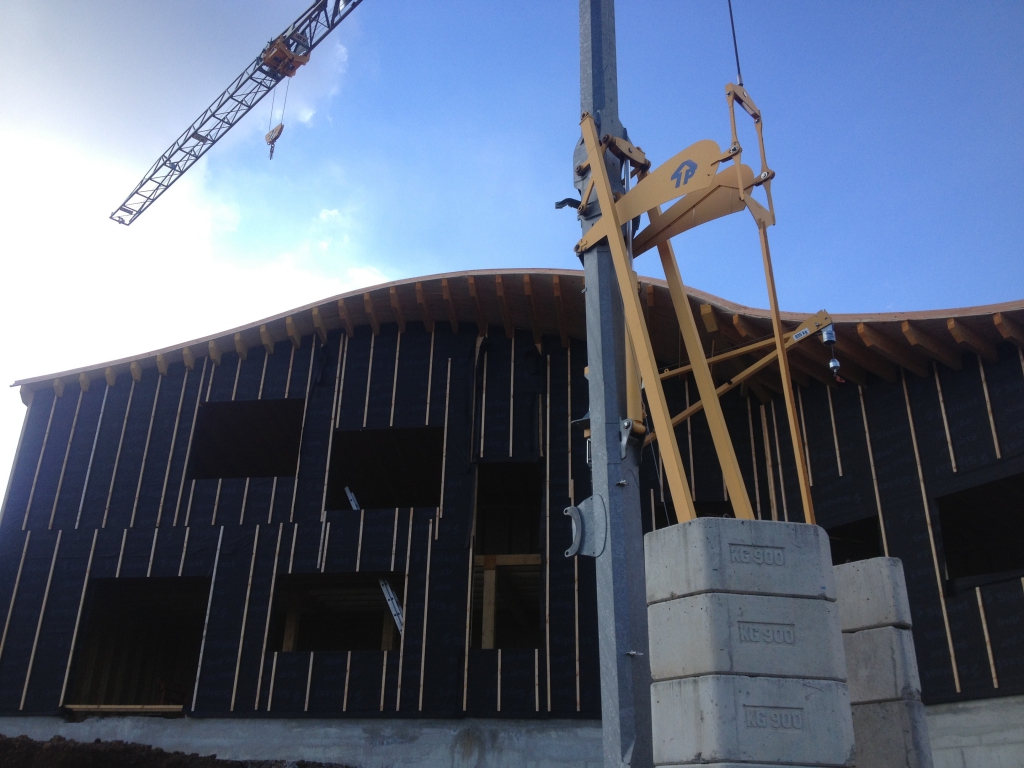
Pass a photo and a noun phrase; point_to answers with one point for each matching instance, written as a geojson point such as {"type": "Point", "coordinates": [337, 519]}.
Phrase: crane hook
{"type": "Point", "coordinates": [273, 135]}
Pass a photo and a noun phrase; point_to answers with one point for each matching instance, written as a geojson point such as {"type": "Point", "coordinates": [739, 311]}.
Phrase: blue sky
{"type": "Point", "coordinates": [429, 137]}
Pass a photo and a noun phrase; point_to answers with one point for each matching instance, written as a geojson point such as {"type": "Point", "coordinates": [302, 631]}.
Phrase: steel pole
{"type": "Point", "coordinates": [621, 593]}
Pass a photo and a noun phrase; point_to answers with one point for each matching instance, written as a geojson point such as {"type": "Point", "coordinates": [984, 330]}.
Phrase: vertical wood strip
{"type": "Point", "coordinates": [152, 553]}
{"type": "Point", "coordinates": [874, 474]}
{"type": "Point", "coordinates": [117, 455]}
{"type": "Point", "coordinates": [39, 461]}
{"type": "Point", "coordinates": [576, 620]}
{"type": "Point", "coordinates": [14, 592]}
{"type": "Point", "coordinates": [188, 449]}
{"type": "Point", "coordinates": [945, 421]}
{"type": "Point", "coordinates": [309, 678]}
{"type": "Point", "coordinates": [348, 670]}
{"type": "Point", "coordinates": [302, 429]}
{"type": "Point", "coordinates": [359, 546]}
{"type": "Point", "coordinates": [394, 541]}
{"type": "Point", "coordinates": [426, 609]}
{"type": "Point", "coordinates": [67, 452]}
{"type": "Point", "coordinates": [270, 606]}
{"type": "Point", "coordinates": [768, 464]}
{"type": "Point", "coordinates": [536, 680]}
{"type": "Point", "coordinates": [753, 459]}
{"type": "Point", "coordinates": [341, 382]}
{"type": "Point", "coordinates": [778, 456]}
{"type": "Point", "coordinates": [170, 454]}
{"type": "Point", "coordinates": [988, 407]}
{"type": "Point", "coordinates": [499, 680]}
{"type": "Point", "coordinates": [483, 407]}
{"type": "Point", "coordinates": [405, 602]}
{"type": "Point", "coordinates": [369, 377]}
{"type": "Point", "coordinates": [394, 381]}
{"type": "Point", "coordinates": [568, 422]}
{"type": "Point", "coordinates": [383, 679]}
{"type": "Point", "coordinates": [835, 433]}
{"type": "Point", "coordinates": [689, 439]}
{"type": "Point", "coordinates": [335, 407]}
{"type": "Point", "coordinates": [245, 616]}
{"type": "Point", "coordinates": [803, 429]}
{"type": "Point", "coordinates": [206, 621]}
{"type": "Point", "coordinates": [120, 554]}
{"type": "Point", "coordinates": [184, 550]}
{"type": "Point", "coordinates": [273, 485]}
{"type": "Point", "coordinates": [988, 642]}
{"type": "Point", "coordinates": [430, 377]}
{"type": "Point", "coordinates": [444, 443]}
{"type": "Point", "coordinates": [469, 603]}
{"type": "Point", "coordinates": [273, 679]}
{"type": "Point", "coordinates": [145, 451]}
{"type": "Point", "coordinates": [78, 617]}
{"type": "Point", "coordinates": [39, 624]}
{"type": "Point", "coordinates": [192, 484]}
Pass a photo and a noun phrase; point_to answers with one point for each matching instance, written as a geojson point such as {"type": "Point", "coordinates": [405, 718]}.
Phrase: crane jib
{"type": "Point", "coordinates": [292, 49]}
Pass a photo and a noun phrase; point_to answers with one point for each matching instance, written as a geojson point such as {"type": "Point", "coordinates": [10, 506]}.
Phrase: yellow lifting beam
{"type": "Point", "coordinates": [703, 191]}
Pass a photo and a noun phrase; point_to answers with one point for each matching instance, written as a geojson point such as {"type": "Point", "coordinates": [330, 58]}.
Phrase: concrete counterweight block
{"type": "Point", "coordinates": [746, 635]}
{"type": "Point", "coordinates": [885, 689]}
{"type": "Point", "coordinates": [745, 646]}
{"type": "Point", "coordinates": [731, 718]}
{"type": "Point", "coordinates": [754, 557]}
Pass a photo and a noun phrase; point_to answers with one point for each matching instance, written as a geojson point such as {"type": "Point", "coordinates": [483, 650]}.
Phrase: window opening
{"type": "Point", "coordinates": [859, 540]}
{"type": "Point", "coordinates": [506, 610]}
{"type": "Point", "coordinates": [386, 468]}
{"type": "Point", "coordinates": [247, 438]}
{"type": "Point", "coordinates": [337, 612]}
{"type": "Point", "coordinates": [982, 528]}
{"type": "Point", "coordinates": [141, 641]}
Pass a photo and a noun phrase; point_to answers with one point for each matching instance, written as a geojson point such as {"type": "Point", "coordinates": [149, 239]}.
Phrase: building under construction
{"type": "Point", "coordinates": [355, 510]}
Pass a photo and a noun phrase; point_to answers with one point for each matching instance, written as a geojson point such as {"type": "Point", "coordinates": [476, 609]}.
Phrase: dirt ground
{"type": "Point", "coordinates": [23, 752]}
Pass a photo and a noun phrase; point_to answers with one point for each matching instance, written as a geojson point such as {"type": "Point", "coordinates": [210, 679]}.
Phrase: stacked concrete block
{"type": "Point", "coordinates": [746, 651]}
{"type": "Point", "coordinates": [888, 718]}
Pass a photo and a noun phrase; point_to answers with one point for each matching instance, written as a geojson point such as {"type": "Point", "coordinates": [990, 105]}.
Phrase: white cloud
{"type": "Point", "coordinates": [78, 289]}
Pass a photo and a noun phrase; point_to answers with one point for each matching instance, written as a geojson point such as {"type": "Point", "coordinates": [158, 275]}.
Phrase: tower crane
{"type": "Point", "coordinates": [280, 58]}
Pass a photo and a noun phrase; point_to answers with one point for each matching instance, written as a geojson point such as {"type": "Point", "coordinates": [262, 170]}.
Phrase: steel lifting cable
{"type": "Point", "coordinates": [735, 47]}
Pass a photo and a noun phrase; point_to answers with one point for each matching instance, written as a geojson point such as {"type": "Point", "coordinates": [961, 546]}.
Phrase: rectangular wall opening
{"type": "Point", "coordinates": [140, 644]}
{"type": "Point", "coordinates": [859, 540]}
{"type": "Point", "coordinates": [509, 497]}
{"type": "Point", "coordinates": [247, 438]}
{"type": "Point", "coordinates": [982, 530]}
{"type": "Point", "coordinates": [386, 468]}
{"type": "Point", "coordinates": [334, 612]}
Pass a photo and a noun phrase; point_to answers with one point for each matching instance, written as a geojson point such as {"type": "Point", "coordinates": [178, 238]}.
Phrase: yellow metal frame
{"type": "Point", "coordinates": [705, 191]}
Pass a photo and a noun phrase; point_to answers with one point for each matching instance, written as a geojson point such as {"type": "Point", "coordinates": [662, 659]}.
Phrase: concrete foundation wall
{"type": "Point", "coordinates": [988, 733]}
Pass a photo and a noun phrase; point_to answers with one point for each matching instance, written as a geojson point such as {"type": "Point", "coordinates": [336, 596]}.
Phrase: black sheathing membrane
{"type": "Point", "coordinates": [838, 500]}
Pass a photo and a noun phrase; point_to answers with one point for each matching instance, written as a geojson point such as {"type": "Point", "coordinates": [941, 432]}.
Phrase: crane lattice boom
{"type": "Point", "coordinates": [279, 59]}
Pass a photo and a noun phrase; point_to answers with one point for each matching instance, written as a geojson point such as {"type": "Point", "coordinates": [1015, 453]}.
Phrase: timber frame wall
{"type": "Point", "coordinates": [99, 490]}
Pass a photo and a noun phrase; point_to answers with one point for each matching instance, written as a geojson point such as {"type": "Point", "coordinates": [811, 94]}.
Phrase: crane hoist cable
{"type": "Point", "coordinates": [275, 133]}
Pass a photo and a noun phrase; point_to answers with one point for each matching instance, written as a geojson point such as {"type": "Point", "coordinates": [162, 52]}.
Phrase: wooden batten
{"type": "Point", "coordinates": [969, 338]}
{"type": "Point", "coordinates": [942, 351]}
{"type": "Point", "coordinates": [292, 330]}
{"type": "Point", "coordinates": [534, 325]}
{"type": "Point", "coordinates": [346, 320]}
{"type": "Point", "coordinates": [556, 285]}
{"type": "Point", "coordinates": [189, 358]}
{"type": "Point", "coordinates": [421, 299]}
{"type": "Point", "coordinates": [396, 308]}
{"type": "Point", "coordinates": [319, 325]}
{"type": "Point", "coordinates": [744, 327]}
{"type": "Point", "coordinates": [1009, 329]}
{"type": "Point", "coordinates": [650, 302]}
{"type": "Point", "coordinates": [241, 348]}
{"type": "Point", "coordinates": [162, 364]}
{"type": "Point", "coordinates": [713, 324]}
{"type": "Point", "coordinates": [891, 350]}
{"type": "Point", "coordinates": [266, 339]}
{"type": "Point", "coordinates": [111, 376]}
{"type": "Point", "coordinates": [481, 320]}
{"type": "Point", "coordinates": [506, 317]}
{"type": "Point", "coordinates": [136, 370]}
{"type": "Point", "coordinates": [84, 381]}
{"type": "Point", "coordinates": [371, 312]}
{"type": "Point", "coordinates": [58, 386]}
{"type": "Point", "coordinates": [215, 352]}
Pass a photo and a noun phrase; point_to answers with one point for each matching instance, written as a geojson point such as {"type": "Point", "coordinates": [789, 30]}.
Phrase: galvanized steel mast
{"type": "Point", "coordinates": [615, 456]}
